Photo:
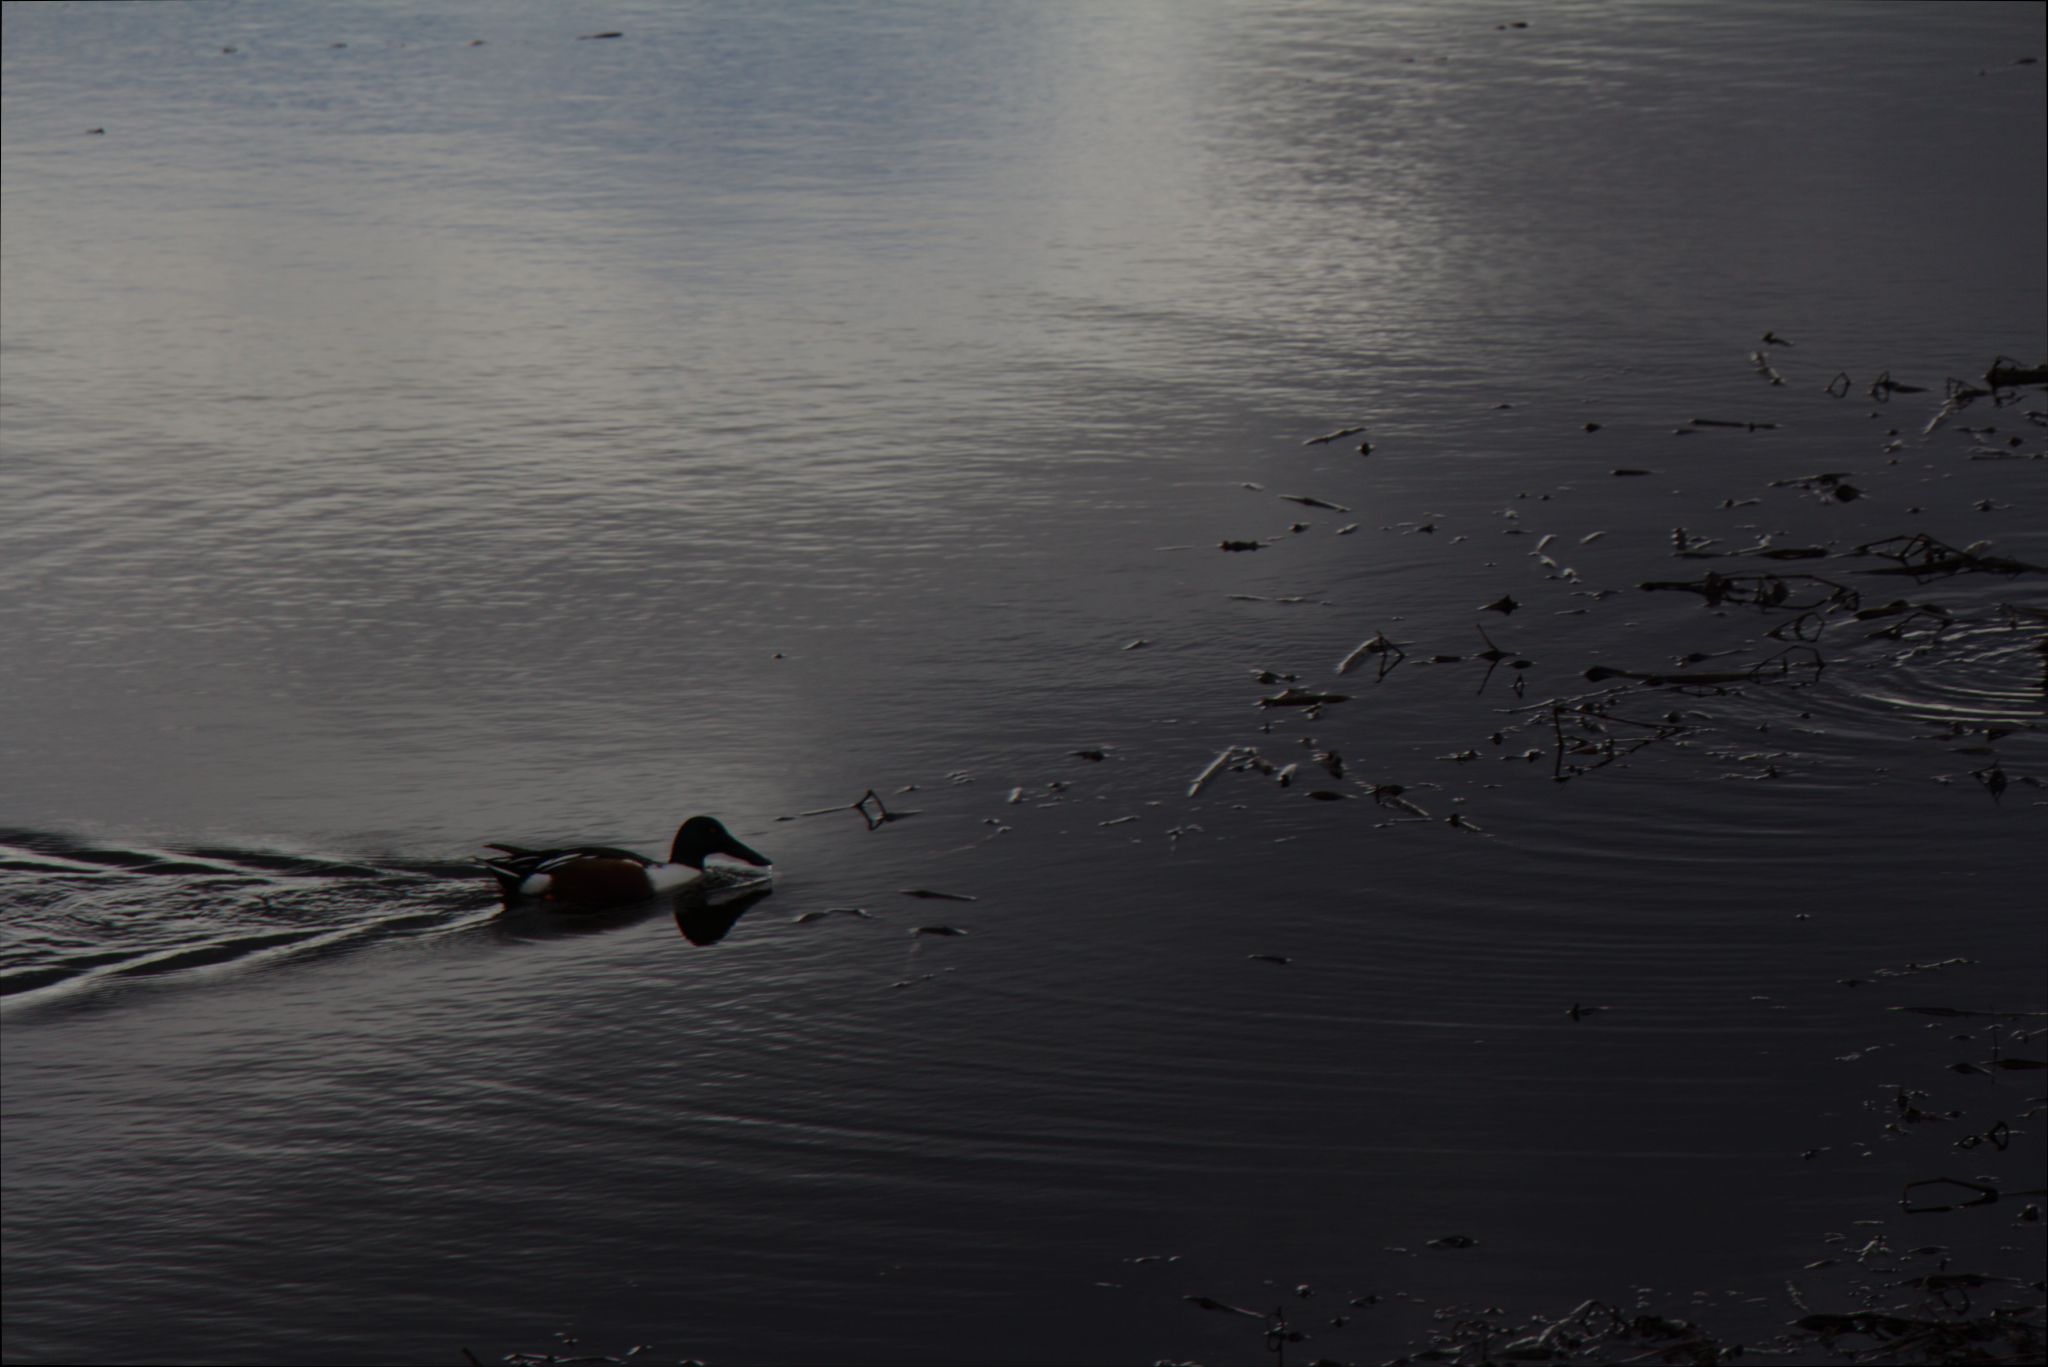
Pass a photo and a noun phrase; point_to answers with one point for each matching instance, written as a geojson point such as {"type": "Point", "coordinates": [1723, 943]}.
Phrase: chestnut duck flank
{"type": "Point", "coordinates": [599, 876]}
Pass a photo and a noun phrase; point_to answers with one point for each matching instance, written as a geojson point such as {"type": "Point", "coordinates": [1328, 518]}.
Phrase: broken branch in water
{"type": "Point", "coordinates": [1390, 655]}
{"type": "Point", "coordinates": [1884, 386]}
{"type": "Point", "coordinates": [1790, 658]}
{"type": "Point", "coordinates": [1599, 733]}
{"type": "Point", "coordinates": [2006, 373]}
{"type": "Point", "coordinates": [1923, 557]}
{"type": "Point", "coordinates": [1303, 697]}
{"type": "Point", "coordinates": [1759, 590]}
{"type": "Point", "coordinates": [1329, 437]}
{"type": "Point", "coordinates": [1737, 426]}
{"type": "Point", "coordinates": [880, 816]}
{"type": "Point", "coordinates": [1984, 1195]}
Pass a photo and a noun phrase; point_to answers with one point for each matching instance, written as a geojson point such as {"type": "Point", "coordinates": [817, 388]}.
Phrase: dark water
{"type": "Point", "coordinates": [411, 444]}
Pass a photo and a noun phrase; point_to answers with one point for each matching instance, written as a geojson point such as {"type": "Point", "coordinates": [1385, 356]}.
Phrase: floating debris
{"type": "Point", "coordinates": [1792, 657]}
{"type": "Point", "coordinates": [1303, 697]}
{"type": "Point", "coordinates": [1308, 501]}
{"type": "Point", "coordinates": [1761, 590]}
{"type": "Point", "coordinates": [929, 895]}
{"type": "Point", "coordinates": [1590, 732]}
{"type": "Point", "coordinates": [1504, 604]}
{"type": "Point", "coordinates": [1240, 545]}
{"type": "Point", "coordinates": [1981, 1194]}
{"type": "Point", "coordinates": [1215, 767]}
{"type": "Point", "coordinates": [1390, 656]}
{"type": "Point", "coordinates": [938, 930]}
{"type": "Point", "coordinates": [1735, 425]}
{"type": "Point", "coordinates": [1832, 484]}
{"type": "Point", "coordinates": [1337, 435]}
{"type": "Point", "coordinates": [1270, 958]}
{"type": "Point", "coordinates": [2006, 373]}
{"type": "Point", "coordinates": [880, 816]}
{"type": "Point", "coordinates": [1993, 779]}
{"type": "Point", "coordinates": [1923, 557]}
{"type": "Point", "coordinates": [805, 918]}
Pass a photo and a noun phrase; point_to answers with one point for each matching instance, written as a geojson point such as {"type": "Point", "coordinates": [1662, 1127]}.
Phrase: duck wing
{"type": "Point", "coordinates": [520, 863]}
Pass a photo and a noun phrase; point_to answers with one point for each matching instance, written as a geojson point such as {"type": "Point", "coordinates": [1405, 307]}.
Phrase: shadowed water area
{"type": "Point", "coordinates": [1576, 835]}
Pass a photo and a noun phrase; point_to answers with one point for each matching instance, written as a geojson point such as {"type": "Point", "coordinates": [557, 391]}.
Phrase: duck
{"type": "Point", "coordinates": [584, 876]}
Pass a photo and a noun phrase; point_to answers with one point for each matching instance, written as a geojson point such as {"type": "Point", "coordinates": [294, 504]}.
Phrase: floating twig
{"type": "Point", "coordinates": [2006, 373]}
{"type": "Point", "coordinates": [1214, 767]}
{"type": "Point", "coordinates": [1329, 437]}
{"type": "Point", "coordinates": [1309, 501]}
{"type": "Point", "coordinates": [880, 816]}
{"type": "Point", "coordinates": [1884, 386]}
{"type": "Point", "coordinates": [1303, 697]}
{"type": "Point", "coordinates": [1389, 652]}
{"type": "Point", "coordinates": [1923, 557]}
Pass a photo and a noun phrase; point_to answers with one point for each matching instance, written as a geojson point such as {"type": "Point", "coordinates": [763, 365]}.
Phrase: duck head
{"type": "Point", "coordinates": [704, 835]}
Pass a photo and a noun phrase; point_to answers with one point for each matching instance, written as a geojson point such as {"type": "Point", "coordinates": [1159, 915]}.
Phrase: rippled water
{"type": "Point", "coordinates": [411, 443]}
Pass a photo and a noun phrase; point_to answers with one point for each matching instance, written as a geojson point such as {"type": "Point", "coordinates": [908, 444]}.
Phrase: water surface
{"type": "Point", "coordinates": [411, 443]}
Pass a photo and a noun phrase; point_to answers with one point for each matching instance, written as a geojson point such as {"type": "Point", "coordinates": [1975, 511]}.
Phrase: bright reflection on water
{"type": "Point", "coordinates": [412, 443]}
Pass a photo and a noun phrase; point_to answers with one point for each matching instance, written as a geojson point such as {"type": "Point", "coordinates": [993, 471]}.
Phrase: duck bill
{"type": "Point", "coordinates": [730, 846]}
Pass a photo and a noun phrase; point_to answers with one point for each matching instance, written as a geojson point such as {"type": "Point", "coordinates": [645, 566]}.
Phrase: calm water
{"type": "Point", "coordinates": [412, 442]}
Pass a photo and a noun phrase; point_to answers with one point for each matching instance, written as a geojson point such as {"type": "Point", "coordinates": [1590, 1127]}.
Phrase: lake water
{"type": "Point", "coordinates": [425, 427]}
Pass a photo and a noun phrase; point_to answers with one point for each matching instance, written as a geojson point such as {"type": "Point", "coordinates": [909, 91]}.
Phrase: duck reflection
{"type": "Point", "coordinates": [703, 915]}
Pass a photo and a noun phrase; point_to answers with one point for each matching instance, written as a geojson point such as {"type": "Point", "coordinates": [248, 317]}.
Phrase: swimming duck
{"type": "Point", "coordinates": [599, 876]}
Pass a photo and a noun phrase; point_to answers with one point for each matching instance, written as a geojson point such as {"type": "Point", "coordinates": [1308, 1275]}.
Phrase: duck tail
{"type": "Point", "coordinates": [508, 873]}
